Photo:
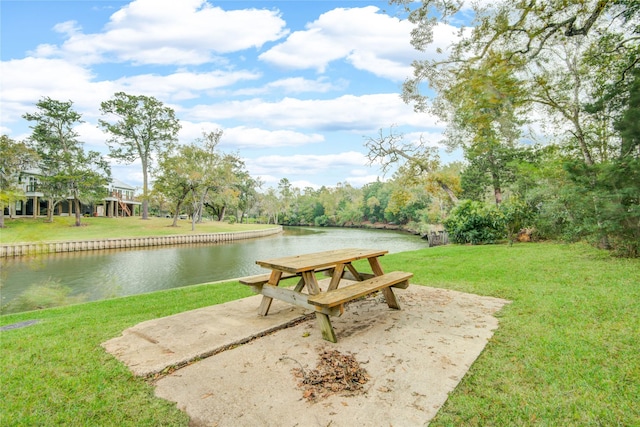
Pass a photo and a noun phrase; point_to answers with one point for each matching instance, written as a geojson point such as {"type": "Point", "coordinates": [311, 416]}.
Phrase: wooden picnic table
{"type": "Point", "coordinates": [330, 302]}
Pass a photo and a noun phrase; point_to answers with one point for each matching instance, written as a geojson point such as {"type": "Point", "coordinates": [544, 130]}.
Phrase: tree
{"type": "Point", "coordinates": [481, 108]}
{"type": "Point", "coordinates": [552, 58]}
{"type": "Point", "coordinates": [172, 182]}
{"type": "Point", "coordinates": [391, 149]}
{"type": "Point", "coordinates": [14, 157]}
{"type": "Point", "coordinates": [144, 129]}
{"type": "Point", "coordinates": [248, 194]}
{"type": "Point", "coordinates": [66, 169]}
{"type": "Point", "coordinates": [203, 163]}
{"type": "Point", "coordinates": [225, 190]}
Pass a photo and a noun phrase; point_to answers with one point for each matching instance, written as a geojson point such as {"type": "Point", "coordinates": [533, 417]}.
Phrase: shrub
{"type": "Point", "coordinates": [473, 222]}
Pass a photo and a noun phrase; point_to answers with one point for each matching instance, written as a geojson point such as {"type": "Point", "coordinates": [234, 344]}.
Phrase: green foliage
{"type": "Point", "coordinates": [516, 215]}
{"type": "Point", "coordinates": [575, 62]}
{"type": "Point", "coordinates": [65, 169]}
{"type": "Point", "coordinates": [14, 157]}
{"type": "Point", "coordinates": [143, 129]}
{"type": "Point", "coordinates": [476, 223]}
{"type": "Point", "coordinates": [607, 201]}
{"type": "Point", "coordinates": [322, 221]}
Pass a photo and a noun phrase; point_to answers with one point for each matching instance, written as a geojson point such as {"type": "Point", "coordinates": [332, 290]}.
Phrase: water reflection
{"type": "Point", "coordinates": [119, 272]}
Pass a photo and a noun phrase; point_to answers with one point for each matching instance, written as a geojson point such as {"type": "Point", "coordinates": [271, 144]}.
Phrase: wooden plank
{"type": "Point", "coordinates": [390, 298]}
{"type": "Point", "coordinates": [319, 260]}
{"type": "Point", "coordinates": [342, 295]}
{"type": "Point", "coordinates": [274, 279]}
{"type": "Point", "coordinates": [335, 278]}
{"type": "Point", "coordinates": [297, 299]}
{"type": "Point", "coordinates": [363, 276]}
{"type": "Point", "coordinates": [354, 272]}
{"type": "Point", "coordinates": [265, 304]}
{"type": "Point", "coordinates": [311, 282]}
{"type": "Point", "coordinates": [326, 328]}
{"type": "Point", "coordinates": [261, 279]}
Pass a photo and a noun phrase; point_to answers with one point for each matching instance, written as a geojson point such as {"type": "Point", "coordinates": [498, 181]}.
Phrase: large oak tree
{"type": "Point", "coordinates": [143, 130]}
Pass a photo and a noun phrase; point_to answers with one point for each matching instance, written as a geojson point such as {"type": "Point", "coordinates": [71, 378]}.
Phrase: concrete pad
{"type": "Point", "coordinates": [414, 357]}
{"type": "Point", "coordinates": [150, 347]}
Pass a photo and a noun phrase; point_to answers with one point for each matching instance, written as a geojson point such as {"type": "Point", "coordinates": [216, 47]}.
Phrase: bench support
{"type": "Point", "coordinates": [324, 323]}
{"type": "Point", "coordinates": [337, 298]}
{"type": "Point", "coordinates": [331, 302]}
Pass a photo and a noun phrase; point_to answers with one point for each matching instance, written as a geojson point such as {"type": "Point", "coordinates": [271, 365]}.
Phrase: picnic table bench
{"type": "Point", "coordinates": [338, 265]}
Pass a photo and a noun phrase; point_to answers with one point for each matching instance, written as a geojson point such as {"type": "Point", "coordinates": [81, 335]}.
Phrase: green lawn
{"type": "Point", "coordinates": [63, 228]}
{"type": "Point", "coordinates": [565, 354]}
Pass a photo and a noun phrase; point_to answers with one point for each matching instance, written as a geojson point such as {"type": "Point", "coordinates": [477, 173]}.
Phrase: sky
{"type": "Point", "coordinates": [297, 87]}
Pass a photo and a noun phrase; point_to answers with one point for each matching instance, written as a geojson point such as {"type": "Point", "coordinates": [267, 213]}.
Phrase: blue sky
{"type": "Point", "coordinates": [296, 86]}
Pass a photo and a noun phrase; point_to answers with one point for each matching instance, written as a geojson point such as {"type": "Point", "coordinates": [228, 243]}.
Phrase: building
{"type": "Point", "coordinates": [119, 202]}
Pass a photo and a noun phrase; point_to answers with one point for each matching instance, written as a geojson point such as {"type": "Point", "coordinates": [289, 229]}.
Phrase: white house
{"type": "Point", "coordinates": [119, 202]}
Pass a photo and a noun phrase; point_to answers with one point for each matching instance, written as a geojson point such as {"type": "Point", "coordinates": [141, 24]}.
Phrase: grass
{"type": "Point", "coordinates": [62, 228]}
{"type": "Point", "coordinates": [566, 351]}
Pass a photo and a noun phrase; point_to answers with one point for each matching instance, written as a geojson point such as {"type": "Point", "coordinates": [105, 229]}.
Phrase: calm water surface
{"type": "Point", "coordinates": [120, 272]}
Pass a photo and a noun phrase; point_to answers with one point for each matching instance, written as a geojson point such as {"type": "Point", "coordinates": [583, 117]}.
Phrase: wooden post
{"type": "Point", "coordinates": [389, 296]}
{"type": "Point", "coordinates": [325, 327]}
{"type": "Point", "coordinates": [274, 279]}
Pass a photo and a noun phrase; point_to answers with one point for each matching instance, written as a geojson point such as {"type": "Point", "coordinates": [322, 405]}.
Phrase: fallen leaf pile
{"type": "Point", "coordinates": [335, 373]}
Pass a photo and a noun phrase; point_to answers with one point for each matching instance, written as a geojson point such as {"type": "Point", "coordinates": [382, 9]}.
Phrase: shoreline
{"type": "Point", "coordinates": [32, 248]}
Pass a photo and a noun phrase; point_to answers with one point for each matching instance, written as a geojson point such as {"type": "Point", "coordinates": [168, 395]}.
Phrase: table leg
{"type": "Point", "coordinates": [391, 299]}
{"type": "Point", "coordinates": [265, 304]}
{"type": "Point", "coordinates": [325, 327]}
{"type": "Point", "coordinates": [299, 285]}
{"type": "Point", "coordinates": [312, 283]}
{"type": "Point", "coordinates": [355, 273]}
{"type": "Point", "coordinates": [335, 277]}
{"type": "Point", "coordinates": [375, 266]}
{"type": "Point", "coordinates": [389, 296]}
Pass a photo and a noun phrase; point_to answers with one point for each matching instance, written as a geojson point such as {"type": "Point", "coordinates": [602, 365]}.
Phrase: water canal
{"type": "Point", "coordinates": [119, 272]}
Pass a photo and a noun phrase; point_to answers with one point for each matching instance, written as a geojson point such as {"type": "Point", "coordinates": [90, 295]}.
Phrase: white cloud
{"type": "Point", "coordinates": [169, 32]}
{"type": "Point", "coordinates": [26, 81]}
{"type": "Point", "coordinates": [217, 56]}
{"type": "Point", "coordinates": [294, 85]}
{"type": "Point", "coordinates": [183, 85]}
{"type": "Point", "coordinates": [364, 37]}
{"type": "Point", "coordinates": [360, 180]}
{"type": "Point", "coordinates": [369, 40]}
{"type": "Point", "coordinates": [245, 137]}
{"type": "Point", "coordinates": [348, 112]}
{"type": "Point", "coordinates": [309, 164]}
{"type": "Point", "coordinates": [93, 137]}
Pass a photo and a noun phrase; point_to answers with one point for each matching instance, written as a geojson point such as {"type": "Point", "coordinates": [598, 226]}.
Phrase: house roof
{"type": "Point", "coordinates": [116, 183]}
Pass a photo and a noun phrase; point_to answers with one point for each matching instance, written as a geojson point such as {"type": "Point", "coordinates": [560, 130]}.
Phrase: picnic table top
{"type": "Point", "coordinates": [317, 260]}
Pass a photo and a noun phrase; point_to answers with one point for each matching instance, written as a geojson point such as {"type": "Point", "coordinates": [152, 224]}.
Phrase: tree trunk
{"type": "Point", "coordinates": [76, 205]}
{"type": "Point", "coordinates": [145, 190]}
{"type": "Point", "coordinates": [50, 208]}
{"type": "Point", "coordinates": [449, 191]}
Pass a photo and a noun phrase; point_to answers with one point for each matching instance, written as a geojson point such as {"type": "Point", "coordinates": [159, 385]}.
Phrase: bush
{"type": "Point", "coordinates": [473, 222]}
{"type": "Point", "coordinates": [321, 221]}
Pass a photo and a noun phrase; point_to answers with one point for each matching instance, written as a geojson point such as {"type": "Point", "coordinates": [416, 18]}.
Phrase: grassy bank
{"type": "Point", "coordinates": [566, 351]}
{"type": "Point", "coordinates": [38, 230]}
